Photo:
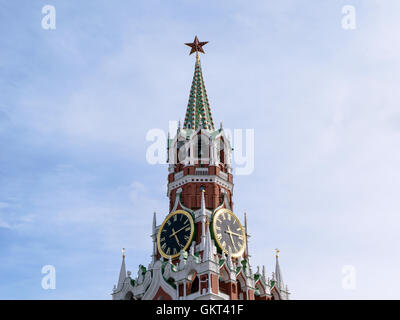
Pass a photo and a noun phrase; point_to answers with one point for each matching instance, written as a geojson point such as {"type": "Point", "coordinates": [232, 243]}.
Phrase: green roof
{"type": "Point", "coordinates": [198, 112]}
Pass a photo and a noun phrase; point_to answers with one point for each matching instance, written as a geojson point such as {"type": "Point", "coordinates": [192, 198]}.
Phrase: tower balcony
{"type": "Point", "coordinates": [202, 171]}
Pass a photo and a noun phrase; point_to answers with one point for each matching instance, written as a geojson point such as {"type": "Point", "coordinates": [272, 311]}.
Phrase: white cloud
{"type": "Point", "coordinates": [4, 205]}
{"type": "Point", "coordinates": [323, 101]}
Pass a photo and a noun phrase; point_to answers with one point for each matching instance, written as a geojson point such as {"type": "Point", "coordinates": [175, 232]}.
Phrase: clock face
{"type": "Point", "coordinates": [175, 234]}
{"type": "Point", "coordinates": [229, 233]}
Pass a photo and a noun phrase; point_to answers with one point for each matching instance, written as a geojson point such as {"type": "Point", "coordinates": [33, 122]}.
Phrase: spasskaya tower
{"type": "Point", "coordinates": [200, 250]}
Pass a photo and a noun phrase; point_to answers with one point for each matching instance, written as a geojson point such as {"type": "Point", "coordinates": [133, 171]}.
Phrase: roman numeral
{"type": "Point", "coordinates": [168, 251]}
{"type": "Point", "coordinates": [186, 238]}
{"type": "Point", "coordinates": [174, 251]}
{"type": "Point", "coordinates": [175, 218]}
{"type": "Point", "coordinates": [162, 239]}
{"type": "Point", "coordinates": [169, 222]}
{"type": "Point", "coordinates": [163, 246]}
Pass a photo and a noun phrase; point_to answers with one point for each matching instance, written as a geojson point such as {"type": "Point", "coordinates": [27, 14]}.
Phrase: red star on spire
{"type": "Point", "coordinates": [196, 45]}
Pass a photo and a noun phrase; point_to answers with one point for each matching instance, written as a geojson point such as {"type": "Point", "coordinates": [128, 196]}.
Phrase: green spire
{"type": "Point", "coordinates": [198, 113]}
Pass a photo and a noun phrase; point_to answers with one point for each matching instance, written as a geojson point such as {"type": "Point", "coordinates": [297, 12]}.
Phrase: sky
{"type": "Point", "coordinates": [77, 102]}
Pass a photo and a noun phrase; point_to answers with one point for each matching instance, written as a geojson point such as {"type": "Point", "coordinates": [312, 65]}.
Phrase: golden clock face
{"type": "Point", "coordinates": [229, 233]}
{"type": "Point", "coordinates": [175, 234]}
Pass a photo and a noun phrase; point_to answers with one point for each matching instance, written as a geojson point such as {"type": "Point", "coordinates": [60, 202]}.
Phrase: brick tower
{"type": "Point", "coordinates": [200, 250]}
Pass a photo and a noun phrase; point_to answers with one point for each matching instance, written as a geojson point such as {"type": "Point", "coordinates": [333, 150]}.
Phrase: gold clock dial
{"type": "Point", "coordinates": [228, 232]}
{"type": "Point", "coordinates": [175, 234]}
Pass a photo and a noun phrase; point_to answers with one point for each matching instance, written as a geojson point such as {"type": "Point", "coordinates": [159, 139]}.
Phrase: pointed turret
{"type": "Point", "coordinates": [122, 272]}
{"type": "Point", "coordinates": [263, 273]}
{"type": "Point", "coordinates": [198, 112]}
{"type": "Point", "coordinates": [154, 221]}
{"type": "Point", "coordinates": [203, 203]}
{"type": "Point", "coordinates": [204, 218]}
{"type": "Point", "coordinates": [278, 274]}
{"type": "Point", "coordinates": [229, 260]}
{"type": "Point", "coordinates": [154, 236]}
{"type": "Point", "coordinates": [208, 254]}
{"type": "Point", "coordinates": [247, 235]}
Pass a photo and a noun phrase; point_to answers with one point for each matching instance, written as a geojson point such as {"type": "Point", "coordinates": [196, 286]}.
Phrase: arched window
{"type": "Point", "coordinates": [221, 150]}
{"type": "Point", "coordinates": [195, 285]}
{"type": "Point", "coordinates": [201, 148]}
{"type": "Point", "coordinates": [223, 286]}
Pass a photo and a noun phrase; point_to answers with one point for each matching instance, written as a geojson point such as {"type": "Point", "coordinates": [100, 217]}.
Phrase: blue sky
{"type": "Point", "coordinates": [76, 104]}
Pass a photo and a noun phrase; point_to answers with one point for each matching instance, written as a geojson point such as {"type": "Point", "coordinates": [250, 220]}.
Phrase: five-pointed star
{"type": "Point", "coordinates": [196, 45]}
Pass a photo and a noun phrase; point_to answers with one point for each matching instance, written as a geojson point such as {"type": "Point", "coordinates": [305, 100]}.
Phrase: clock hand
{"type": "Point", "coordinates": [176, 238]}
{"type": "Point", "coordinates": [236, 234]}
{"type": "Point", "coordinates": [230, 235]}
{"type": "Point", "coordinates": [175, 232]}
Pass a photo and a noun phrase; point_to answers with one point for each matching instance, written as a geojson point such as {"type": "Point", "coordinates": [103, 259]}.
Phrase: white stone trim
{"type": "Point", "coordinates": [157, 282]}
{"type": "Point", "coordinates": [199, 179]}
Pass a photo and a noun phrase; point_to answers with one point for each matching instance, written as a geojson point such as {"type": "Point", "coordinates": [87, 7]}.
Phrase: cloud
{"type": "Point", "coordinates": [78, 102]}
{"type": "Point", "coordinates": [4, 205]}
{"type": "Point", "coordinates": [4, 224]}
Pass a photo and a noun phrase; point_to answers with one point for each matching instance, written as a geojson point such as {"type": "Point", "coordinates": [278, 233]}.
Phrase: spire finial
{"type": "Point", "coordinates": [123, 252]}
{"type": "Point", "coordinates": [196, 46]}
{"type": "Point", "coordinates": [277, 252]}
{"type": "Point", "coordinates": [198, 112]}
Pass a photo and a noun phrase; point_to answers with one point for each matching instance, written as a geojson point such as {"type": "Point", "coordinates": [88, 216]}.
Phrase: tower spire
{"type": "Point", "coordinates": [208, 250]}
{"type": "Point", "coordinates": [154, 236]}
{"type": "Point", "coordinates": [154, 221]}
{"type": "Point", "coordinates": [122, 272]}
{"type": "Point", "coordinates": [246, 232]}
{"type": "Point", "coordinates": [198, 112]}
{"type": "Point", "coordinates": [278, 274]}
